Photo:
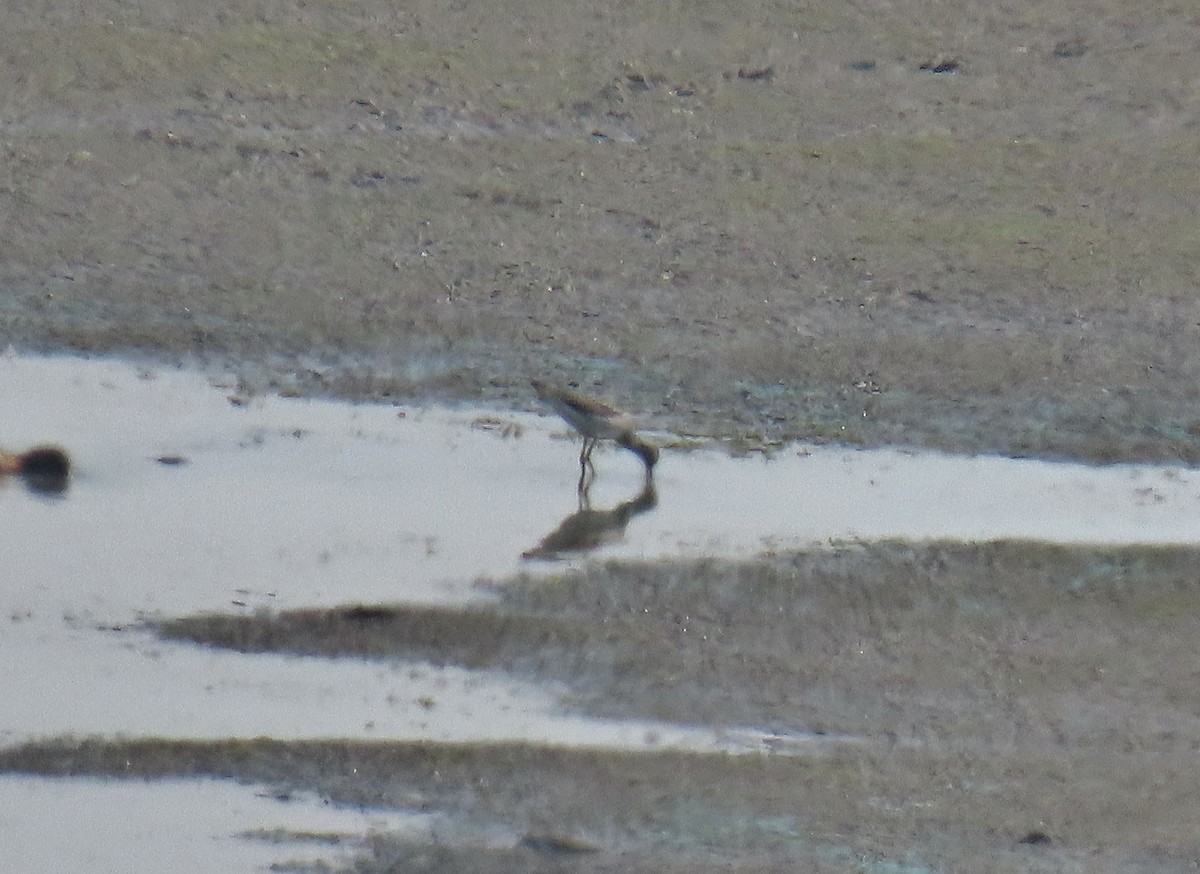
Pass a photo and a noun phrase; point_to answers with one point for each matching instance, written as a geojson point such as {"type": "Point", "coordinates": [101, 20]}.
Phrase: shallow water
{"type": "Point", "coordinates": [271, 503]}
{"type": "Point", "coordinates": [189, 496]}
{"type": "Point", "coordinates": [185, 825]}
{"type": "Point", "coordinates": [283, 503]}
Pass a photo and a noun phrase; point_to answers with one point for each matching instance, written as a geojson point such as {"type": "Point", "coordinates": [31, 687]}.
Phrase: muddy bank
{"type": "Point", "coordinates": [1019, 704]}
{"type": "Point", "coordinates": [829, 224]}
{"type": "Point", "coordinates": [521, 808]}
{"type": "Point", "coordinates": [918, 643]}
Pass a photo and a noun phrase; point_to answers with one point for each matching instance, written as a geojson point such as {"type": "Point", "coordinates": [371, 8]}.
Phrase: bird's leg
{"type": "Point", "coordinates": [583, 465]}
{"type": "Point", "coordinates": [585, 500]}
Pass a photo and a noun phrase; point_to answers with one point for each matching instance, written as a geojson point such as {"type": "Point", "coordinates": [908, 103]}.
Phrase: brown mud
{"type": "Point", "coordinates": [385, 202]}
{"type": "Point", "coordinates": [1017, 705]}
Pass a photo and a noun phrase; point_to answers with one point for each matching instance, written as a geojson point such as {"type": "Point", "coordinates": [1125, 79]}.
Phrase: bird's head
{"type": "Point", "coordinates": [648, 452]}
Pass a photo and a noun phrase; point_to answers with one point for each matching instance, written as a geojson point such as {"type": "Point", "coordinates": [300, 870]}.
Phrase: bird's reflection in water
{"type": "Point", "coordinates": [43, 469]}
{"type": "Point", "coordinates": [589, 528]}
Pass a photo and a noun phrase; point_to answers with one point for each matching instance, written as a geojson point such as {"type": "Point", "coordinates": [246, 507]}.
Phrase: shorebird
{"type": "Point", "coordinates": [596, 421]}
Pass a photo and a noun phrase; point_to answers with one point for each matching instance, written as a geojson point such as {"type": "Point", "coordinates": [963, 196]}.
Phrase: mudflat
{"type": "Point", "coordinates": [921, 223]}
{"type": "Point", "coordinates": [935, 224]}
{"type": "Point", "coordinates": [996, 707]}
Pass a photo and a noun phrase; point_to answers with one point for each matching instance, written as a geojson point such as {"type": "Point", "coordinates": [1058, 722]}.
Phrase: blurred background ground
{"type": "Point", "coordinates": [915, 222]}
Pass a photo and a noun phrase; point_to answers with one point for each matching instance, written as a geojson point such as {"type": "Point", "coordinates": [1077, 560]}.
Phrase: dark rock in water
{"type": "Point", "coordinates": [558, 845]}
{"type": "Point", "coordinates": [1070, 48]}
{"type": "Point", "coordinates": [943, 66]}
{"type": "Point", "coordinates": [45, 469]}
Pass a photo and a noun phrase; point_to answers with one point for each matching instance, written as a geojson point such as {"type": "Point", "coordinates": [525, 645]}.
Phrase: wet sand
{"type": "Point", "coordinates": [1022, 706]}
{"type": "Point", "coordinates": [771, 226]}
{"type": "Point", "coordinates": [405, 203]}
